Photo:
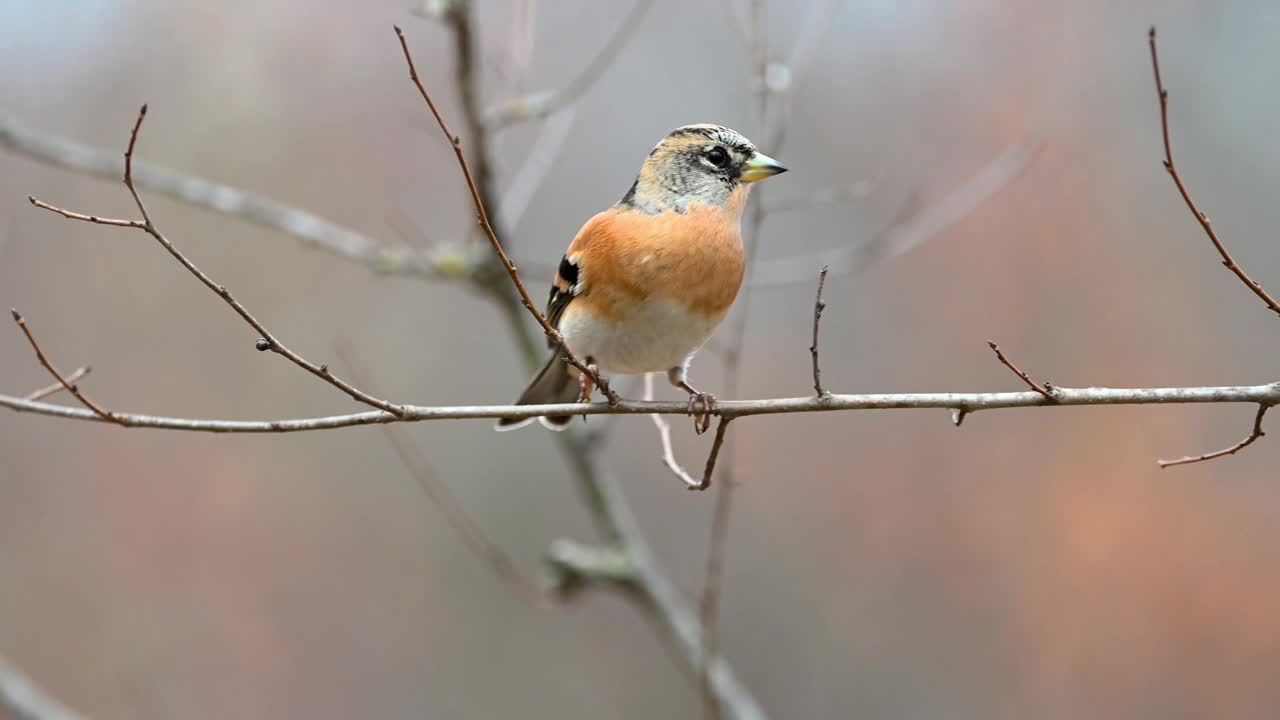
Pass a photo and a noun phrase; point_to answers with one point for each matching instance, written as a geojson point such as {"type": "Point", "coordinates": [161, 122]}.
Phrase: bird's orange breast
{"type": "Point", "coordinates": [694, 258]}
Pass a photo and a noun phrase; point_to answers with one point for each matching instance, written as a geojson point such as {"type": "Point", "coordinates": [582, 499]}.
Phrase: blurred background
{"type": "Point", "coordinates": [1032, 563]}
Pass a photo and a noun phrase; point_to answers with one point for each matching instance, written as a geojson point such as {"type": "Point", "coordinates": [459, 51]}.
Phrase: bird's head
{"type": "Point", "coordinates": [698, 164]}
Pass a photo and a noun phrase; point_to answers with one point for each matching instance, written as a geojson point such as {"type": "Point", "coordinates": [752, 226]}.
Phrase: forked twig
{"type": "Point", "coordinates": [1254, 434]}
{"type": "Point", "coordinates": [483, 218]}
{"type": "Point", "coordinates": [1227, 260]}
{"type": "Point", "coordinates": [1018, 371]}
{"type": "Point", "coordinates": [64, 382]}
{"type": "Point", "coordinates": [268, 340]}
{"type": "Point", "coordinates": [57, 387]}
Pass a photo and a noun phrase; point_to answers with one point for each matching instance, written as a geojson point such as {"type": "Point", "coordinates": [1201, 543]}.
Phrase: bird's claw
{"type": "Point", "coordinates": [701, 406]}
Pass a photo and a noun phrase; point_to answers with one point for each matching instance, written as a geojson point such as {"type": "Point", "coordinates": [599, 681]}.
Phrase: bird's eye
{"type": "Point", "coordinates": [717, 156]}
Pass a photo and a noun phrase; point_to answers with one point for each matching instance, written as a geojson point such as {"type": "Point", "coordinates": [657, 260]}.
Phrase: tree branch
{"type": "Point", "coordinates": [483, 217]}
{"type": "Point", "coordinates": [818, 307]}
{"type": "Point", "coordinates": [64, 382]}
{"type": "Point", "coordinates": [59, 386]}
{"type": "Point", "coordinates": [312, 230]}
{"type": "Point", "coordinates": [268, 340]}
{"type": "Point", "coordinates": [1254, 434]}
{"type": "Point", "coordinates": [969, 403]}
{"type": "Point", "coordinates": [1227, 260]}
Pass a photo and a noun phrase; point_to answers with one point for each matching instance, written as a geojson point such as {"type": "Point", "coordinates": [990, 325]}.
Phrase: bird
{"type": "Point", "coordinates": [646, 282]}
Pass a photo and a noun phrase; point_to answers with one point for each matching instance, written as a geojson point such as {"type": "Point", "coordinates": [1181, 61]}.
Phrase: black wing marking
{"type": "Point", "coordinates": [563, 289]}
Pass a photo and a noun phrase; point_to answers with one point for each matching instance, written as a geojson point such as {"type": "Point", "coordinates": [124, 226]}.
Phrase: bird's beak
{"type": "Point", "coordinates": [759, 167]}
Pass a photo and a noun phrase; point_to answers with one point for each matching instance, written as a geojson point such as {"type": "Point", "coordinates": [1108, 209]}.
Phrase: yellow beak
{"type": "Point", "coordinates": [759, 167]}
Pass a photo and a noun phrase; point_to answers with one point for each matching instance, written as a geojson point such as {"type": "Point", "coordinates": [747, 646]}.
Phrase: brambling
{"type": "Point", "coordinates": [646, 282]}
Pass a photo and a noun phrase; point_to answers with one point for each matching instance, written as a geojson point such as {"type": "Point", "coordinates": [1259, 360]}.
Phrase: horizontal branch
{"type": "Point", "coordinates": [966, 403]}
{"type": "Point", "coordinates": [311, 229]}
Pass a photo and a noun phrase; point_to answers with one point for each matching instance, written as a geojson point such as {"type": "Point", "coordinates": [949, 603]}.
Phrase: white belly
{"type": "Point", "coordinates": [655, 336]}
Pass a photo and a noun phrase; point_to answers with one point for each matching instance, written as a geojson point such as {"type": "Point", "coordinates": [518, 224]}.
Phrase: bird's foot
{"type": "Point", "coordinates": [701, 406]}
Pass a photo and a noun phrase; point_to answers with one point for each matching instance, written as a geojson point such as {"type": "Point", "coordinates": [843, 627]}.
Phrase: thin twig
{"type": "Point", "coordinates": [1018, 371]}
{"type": "Point", "coordinates": [438, 492]}
{"type": "Point", "coordinates": [818, 307]}
{"type": "Point", "coordinates": [268, 341]}
{"type": "Point", "coordinates": [86, 218]}
{"type": "Point", "coordinates": [1254, 434]}
{"type": "Point", "coordinates": [710, 467]}
{"type": "Point", "coordinates": [483, 217]}
{"type": "Point", "coordinates": [57, 387]}
{"type": "Point", "coordinates": [64, 382]}
{"type": "Point", "coordinates": [1163, 95]}
{"type": "Point", "coordinates": [664, 437]}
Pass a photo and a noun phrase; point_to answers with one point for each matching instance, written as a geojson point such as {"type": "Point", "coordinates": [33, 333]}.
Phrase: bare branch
{"type": "Point", "coordinates": [60, 385]}
{"type": "Point", "coordinates": [268, 340]}
{"type": "Point", "coordinates": [24, 700]}
{"type": "Point", "coordinates": [1018, 371]}
{"type": "Point", "coordinates": [483, 217]}
{"type": "Point", "coordinates": [312, 230]}
{"type": "Point", "coordinates": [539, 105]}
{"type": "Point", "coordinates": [65, 383]}
{"type": "Point", "coordinates": [1227, 260]}
{"type": "Point", "coordinates": [968, 402]}
{"type": "Point", "coordinates": [818, 307]}
{"type": "Point", "coordinates": [680, 620]}
{"type": "Point", "coordinates": [86, 218]}
{"type": "Point", "coordinates": [1254, 434]}
{"type": "Point", "coordinates": [716, 444]}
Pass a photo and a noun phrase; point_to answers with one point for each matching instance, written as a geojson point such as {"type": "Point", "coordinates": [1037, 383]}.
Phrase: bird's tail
{"type": "Point", "coordinates": [554, 384]}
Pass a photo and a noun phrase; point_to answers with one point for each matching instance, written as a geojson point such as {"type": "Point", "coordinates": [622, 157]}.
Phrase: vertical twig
{"type": "Point", "coordinates": [818, 307]}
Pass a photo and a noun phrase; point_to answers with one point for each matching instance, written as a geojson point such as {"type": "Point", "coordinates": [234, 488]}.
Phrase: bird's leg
{"type": "Point", "coordinates": [701, 405]}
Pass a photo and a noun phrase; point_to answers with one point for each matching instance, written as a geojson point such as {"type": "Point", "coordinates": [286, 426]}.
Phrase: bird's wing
{"type": "Point", "coordinates": [570, 281]}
